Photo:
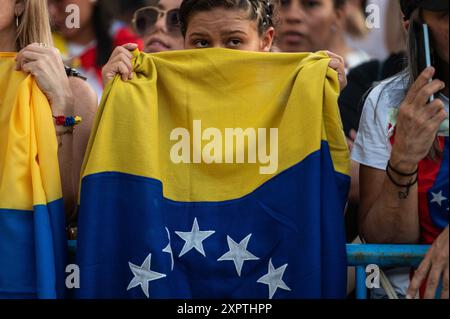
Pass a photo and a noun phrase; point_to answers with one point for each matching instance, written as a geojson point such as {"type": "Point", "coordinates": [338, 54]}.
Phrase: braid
{"type": "Point", "coordinates": [261, 11]}
{"type": "Point", "coordinates": [264, 10]}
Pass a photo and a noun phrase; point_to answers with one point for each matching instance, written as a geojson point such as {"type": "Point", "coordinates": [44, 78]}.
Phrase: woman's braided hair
{"type": "Point", "coordinates": [261, 11]}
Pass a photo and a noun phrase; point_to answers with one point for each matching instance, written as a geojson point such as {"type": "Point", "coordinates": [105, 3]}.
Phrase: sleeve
{"type": "Point", "coordinates": [372, 146]}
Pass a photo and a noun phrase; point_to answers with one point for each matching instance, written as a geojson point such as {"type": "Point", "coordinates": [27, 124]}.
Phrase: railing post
{"type": "Point", "coordinates": [361, 289]}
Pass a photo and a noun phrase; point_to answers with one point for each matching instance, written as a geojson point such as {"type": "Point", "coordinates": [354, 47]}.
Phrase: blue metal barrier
{"type": "Point", "coordinates": [363, 255]}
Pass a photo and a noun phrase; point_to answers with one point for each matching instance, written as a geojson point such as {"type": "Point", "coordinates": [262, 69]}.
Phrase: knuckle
{"type": "Point", "coordinates": [418, 121]}
{"type": "Point", "coordinates": [427, 91]}
{"type": "Point", "coordinates": [442, 256]}
{"type": "Point", "coordinates": [432, 281]}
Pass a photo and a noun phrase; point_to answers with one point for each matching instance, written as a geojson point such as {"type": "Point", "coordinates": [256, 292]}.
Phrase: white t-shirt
{"type": "Point", "coordinates": [373, 148]}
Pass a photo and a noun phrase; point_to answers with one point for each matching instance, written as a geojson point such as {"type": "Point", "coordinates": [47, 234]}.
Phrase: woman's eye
{"type": "Point", "coordinates": [200, 43]}
{"type": "Point", "coordinates": [311, 3]}
{"type": "Point", "coordinates": [234, 42]}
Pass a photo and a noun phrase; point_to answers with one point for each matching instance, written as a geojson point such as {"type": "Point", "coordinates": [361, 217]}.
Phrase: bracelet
{"type": "Point", "coordinates": [402, 194]}
{"type": "Point", "coordinates": [70, 121]}
{"type": "Point", "coordinates": [401, 173]}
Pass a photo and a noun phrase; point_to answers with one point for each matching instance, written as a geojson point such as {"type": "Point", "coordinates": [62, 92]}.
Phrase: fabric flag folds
{"type": "Point", "coordinates": [32, 227]}
{"type": "Point", "coordinates": [216, 174]}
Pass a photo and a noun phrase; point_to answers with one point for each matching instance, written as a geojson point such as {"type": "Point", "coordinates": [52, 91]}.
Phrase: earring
{"type": "Point", "coordinates": [17, 21]}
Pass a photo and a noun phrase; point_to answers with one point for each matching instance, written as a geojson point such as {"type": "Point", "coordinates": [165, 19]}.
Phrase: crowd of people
{"type": "Point", "coordinates": [398, 136]}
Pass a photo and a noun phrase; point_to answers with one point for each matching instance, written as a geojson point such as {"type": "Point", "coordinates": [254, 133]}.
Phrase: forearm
{"type": "Point", "coordinates": [63, 104]}
{"type": "Point", "coordinates": [392, 219]}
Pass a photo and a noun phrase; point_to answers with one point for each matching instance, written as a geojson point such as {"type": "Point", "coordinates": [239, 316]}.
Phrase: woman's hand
{"type": "Point", "coordinates": [337, 63]}
{"type": "Point", "coordinates": [46, 65]}
{"type": "Point", "coordinates": [434, 267]}
{"type": "Point", "coordinates": [417, 123]}
{"type": "Point", "coordinates": [119, 63]}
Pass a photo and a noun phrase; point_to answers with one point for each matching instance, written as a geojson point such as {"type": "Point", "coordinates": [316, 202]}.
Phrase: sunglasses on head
{"type": "Point", "coordinates": [145, 19]}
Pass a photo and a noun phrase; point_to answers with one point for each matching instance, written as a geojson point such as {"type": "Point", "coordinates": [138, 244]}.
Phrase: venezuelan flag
{"type": "Point", "coordinates": [32, 235]}
{"type": "Point", "coordinates": [173, 205]}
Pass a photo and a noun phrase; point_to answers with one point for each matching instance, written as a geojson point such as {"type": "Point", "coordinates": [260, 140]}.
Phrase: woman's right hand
{"type": "Point", "coordinates": [119, 63]}
{"type": "Point", "coordinates": [417, 123]}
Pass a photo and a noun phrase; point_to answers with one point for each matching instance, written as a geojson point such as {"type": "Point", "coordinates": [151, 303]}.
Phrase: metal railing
{"type": "Point", "coordinates": [362, 255]}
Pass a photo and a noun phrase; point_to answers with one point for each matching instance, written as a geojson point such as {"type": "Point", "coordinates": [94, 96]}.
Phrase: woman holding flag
{"type": "Point", "coordinates": [253, 23]}
{"type": "Point", "coordinates": [155, 183]}
{"type": "Point", "coordinates": [39, 109]}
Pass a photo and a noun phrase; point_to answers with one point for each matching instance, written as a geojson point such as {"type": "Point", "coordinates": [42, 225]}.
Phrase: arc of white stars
{"type": "Point", "coordinates": [438, 198]}
{"type": "Point", "coordinates": [274, 279]}
{"type": "Point", "coordinates": [194, 239]}
{"type": "Point", "coordinates": [238, 253]}
{"type": "Point", "coordinates": [143, 275]}
{"type": "Point", "coordinates": [168, 249]}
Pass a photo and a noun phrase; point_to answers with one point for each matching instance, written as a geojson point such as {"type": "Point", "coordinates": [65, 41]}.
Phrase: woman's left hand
{"type": "Point", "coordinates": [337, 63]}
{"type": "Point", "coordinates": [46, 65]}
{"type": "Point", "coordinates": [433, 268]}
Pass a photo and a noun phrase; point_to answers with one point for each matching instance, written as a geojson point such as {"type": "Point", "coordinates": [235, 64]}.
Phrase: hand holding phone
{"type": "Point", "coordinates": [423, 46]}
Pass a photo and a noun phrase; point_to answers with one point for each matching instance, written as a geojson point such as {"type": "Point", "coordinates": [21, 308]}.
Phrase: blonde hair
{"type": "Point", "coordinates": [34, 24]}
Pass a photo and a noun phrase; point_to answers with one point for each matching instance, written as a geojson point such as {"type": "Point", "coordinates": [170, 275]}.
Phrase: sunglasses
{"type": "Point", "coordinates": [145, 19]}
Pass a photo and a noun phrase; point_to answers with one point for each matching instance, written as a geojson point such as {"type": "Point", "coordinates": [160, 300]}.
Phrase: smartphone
{"type": "Point", "coordinates": [424, 51]}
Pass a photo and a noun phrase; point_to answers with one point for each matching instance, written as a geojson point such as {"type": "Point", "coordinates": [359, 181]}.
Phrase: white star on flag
{"type": "Point", "coordinates": [194, 239]}
{"type": "Point", "coordinates": [238, 253]}
{"type": "Point", "coordinates": [274, 279]}
{"type": "Point", "coordinates": [438, 198]}
{"type": "Point", "coordinates": [168, 249]}
{"type": "Point", "coordinates": [143, 275]}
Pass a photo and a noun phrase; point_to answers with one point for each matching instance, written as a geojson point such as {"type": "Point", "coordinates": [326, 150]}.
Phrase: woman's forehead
{"type": "Point", "coordinates": [222, 15]}
{"type": "Point", "coordinates": [221, 20]}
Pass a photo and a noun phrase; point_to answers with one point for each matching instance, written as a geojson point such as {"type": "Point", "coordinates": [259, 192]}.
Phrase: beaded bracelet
{"type": "Point", "coordinates": [70, 121]}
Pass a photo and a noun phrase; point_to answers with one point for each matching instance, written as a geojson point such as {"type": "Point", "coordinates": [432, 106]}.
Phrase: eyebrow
{"type": "Point", "coordinates": [198, 34]}
{"type": "Point", "coordinates": [235, 31]}
{"type": "Point", "coordinates": [202, 34]}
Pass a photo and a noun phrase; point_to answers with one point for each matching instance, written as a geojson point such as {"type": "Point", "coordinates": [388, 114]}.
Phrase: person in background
{"type": "Point", "coordinates": [158, 25]}
{"type": "Point", "coordinates": [125, 10]}
{"type": "Point", "coordinates": [88, 46]}
{"type": "Point", "coordinates": [360, 81]}
{"type": "Point", "coordinates": [356, 29]}
{"type": "Point", "coordinates": [403, 148]}
{"type": "Point", "coordinates": [313, 25]}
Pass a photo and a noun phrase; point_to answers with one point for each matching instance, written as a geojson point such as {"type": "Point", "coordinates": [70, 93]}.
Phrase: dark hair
{"type": "Point", "coordinates": [414, 71]}
{"type": "Point", "coordinates": [261, 11]}
{"type": "Point", "coordinates": [130, 6]}
{"type": "Point", "coordinates": [102, 18]}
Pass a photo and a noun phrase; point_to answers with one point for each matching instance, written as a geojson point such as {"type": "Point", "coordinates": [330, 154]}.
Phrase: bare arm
{"type": "Point", "coordinates": [383, 216]}
{"type": "Point", "coordinates": [73, 146]}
